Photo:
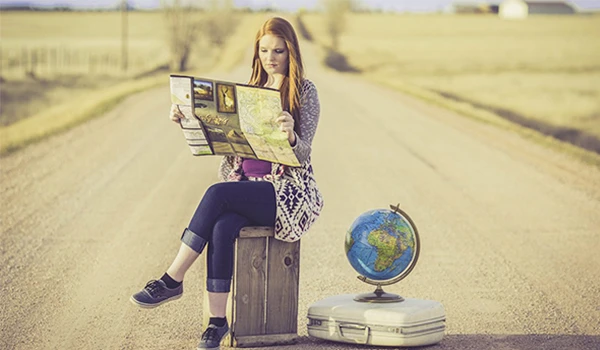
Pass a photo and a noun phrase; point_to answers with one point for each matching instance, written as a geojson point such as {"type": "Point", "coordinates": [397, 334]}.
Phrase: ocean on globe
{"type": "Point", "coordinates": [381, 244]}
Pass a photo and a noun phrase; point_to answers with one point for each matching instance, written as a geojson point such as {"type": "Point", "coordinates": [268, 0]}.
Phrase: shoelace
{"type": "Point", "coordinates": [153, 287]}
{"type": "Point", "coordinates": [211, 333]}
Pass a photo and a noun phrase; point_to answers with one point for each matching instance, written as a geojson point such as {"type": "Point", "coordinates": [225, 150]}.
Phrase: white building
{"type": "Point", "coordinates": [513, 9]}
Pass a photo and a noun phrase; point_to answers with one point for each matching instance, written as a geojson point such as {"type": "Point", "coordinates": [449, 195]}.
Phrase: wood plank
{"type": "Point", "coordinates": [282, 287]}
{"type": "Point", "coordinates": [249, 287]}
{"type": "Point", "coordinates": [257, 231]}
{"type": "Point", "coordinates": [265, 340]}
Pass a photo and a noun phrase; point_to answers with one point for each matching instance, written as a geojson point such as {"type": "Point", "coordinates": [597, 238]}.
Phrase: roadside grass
{"type": "Point", "coordinates": [66, 115]}
{"type": "Point", "coordinates": [485, 116]}
{"type": "Point", "coordinates": [541, 73]}
{"type": "Point", "coordinates": [56, 102]}
{"type": "Point", "coordinates": [22, 98]}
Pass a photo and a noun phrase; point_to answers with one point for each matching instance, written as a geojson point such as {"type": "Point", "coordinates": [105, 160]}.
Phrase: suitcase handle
{"type": "Point", "coordinates": [355, 326]}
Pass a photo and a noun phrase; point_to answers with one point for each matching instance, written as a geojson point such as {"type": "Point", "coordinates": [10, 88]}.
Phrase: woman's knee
{"type": "Point", "coordinates": [216, 191]}
{"type": "Point", "coordinates": [228, 226]}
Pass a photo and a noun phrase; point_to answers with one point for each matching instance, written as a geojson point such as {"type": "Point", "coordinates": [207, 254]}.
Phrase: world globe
{"type": "Point", "coordinates": [382, 245]}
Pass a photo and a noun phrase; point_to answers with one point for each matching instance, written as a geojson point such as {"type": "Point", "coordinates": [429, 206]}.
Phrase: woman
{"type": "Point", "coordinates": [253, 192]}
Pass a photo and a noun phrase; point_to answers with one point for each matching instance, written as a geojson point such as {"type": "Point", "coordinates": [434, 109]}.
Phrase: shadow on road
{"type": "Point", "coordinates": [473, 342]}
{"type": "Point", "coordinates": [521, 341]}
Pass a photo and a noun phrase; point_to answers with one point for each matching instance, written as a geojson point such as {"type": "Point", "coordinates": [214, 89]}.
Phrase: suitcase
{"type": "Point", "coordinates": [412, 322]}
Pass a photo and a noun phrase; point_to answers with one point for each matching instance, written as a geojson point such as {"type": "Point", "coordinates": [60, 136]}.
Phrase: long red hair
{"type": "Point", "coordinates": [291, 85]}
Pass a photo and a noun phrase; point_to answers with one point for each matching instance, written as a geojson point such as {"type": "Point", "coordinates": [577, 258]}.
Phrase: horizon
{"type": "Point", "coordinates": [279, 5]}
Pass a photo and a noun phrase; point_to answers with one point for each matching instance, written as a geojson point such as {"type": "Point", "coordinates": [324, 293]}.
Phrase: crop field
{"type": "Point", "coordinates": [51, 57]}
{"type": "Point", "coordinates": [542, 72]}
{"type": "Point", "coordinates": [52, 62]}
{"type": "Point", "coordinates": [49, 43]}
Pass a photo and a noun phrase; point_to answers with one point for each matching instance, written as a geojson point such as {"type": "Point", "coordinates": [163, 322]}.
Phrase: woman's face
{"type": "Point", "coordinates": [273, 54]}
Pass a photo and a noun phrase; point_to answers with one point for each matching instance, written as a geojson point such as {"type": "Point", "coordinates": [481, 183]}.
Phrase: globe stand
{"type": "Point", "coordinates": [378, 296]}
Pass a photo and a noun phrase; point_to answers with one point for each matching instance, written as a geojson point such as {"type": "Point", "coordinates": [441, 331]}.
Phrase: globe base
{"type": "Point", "coordinates": [378, 296]}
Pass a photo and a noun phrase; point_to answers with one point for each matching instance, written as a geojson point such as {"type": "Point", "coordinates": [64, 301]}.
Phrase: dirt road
{"type": "Point", "coordinates": [510, 232]}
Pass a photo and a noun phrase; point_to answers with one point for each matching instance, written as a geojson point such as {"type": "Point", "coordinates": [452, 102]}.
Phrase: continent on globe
{"type": "Point", "coordinates": [389, 248]}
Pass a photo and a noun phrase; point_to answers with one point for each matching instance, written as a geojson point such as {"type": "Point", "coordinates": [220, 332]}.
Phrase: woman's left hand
{"type": "Point", "coordinates": [286, 124]}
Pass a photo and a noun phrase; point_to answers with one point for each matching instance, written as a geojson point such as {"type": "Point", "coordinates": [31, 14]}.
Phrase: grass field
{"type": "Point", "coordinates": [60, 95]}
{"type": "Point", "coordinates": [542, 72]}
{"type": "Point", "coordinates": [80, 37]}
{"type": "Point", "coordinates": [52, 57]}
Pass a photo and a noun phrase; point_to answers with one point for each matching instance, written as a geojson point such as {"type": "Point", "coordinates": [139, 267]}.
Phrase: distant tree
{"type": "Point", "coordinates": [335, 16]}
{"type": "Point", "coordinates": [213, 18]}
{"type": "Point", "coordinates": [182, 31]}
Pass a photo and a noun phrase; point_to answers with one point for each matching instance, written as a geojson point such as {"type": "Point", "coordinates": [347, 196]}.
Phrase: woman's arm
{"type": "Point", "coordinates": [310, 110]}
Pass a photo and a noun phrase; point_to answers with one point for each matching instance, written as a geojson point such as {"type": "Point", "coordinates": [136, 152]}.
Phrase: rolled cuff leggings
{"type": "Point", "coordinates": [224, 210]}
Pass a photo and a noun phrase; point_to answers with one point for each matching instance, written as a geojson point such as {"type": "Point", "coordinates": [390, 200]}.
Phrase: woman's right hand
{"type": "Point", "coordinates": [175, 114]}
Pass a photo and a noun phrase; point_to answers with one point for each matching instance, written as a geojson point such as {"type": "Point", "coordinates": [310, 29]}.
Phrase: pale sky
{"type": "Point", "coordinates": [288, 5]}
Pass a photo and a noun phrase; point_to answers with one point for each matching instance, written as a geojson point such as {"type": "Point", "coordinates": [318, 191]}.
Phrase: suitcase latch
{"type": "Point", "coordinates": [355, 327]}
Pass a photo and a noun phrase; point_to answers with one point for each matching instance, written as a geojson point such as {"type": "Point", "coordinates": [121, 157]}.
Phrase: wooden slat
{"type": "Point", "coordinates": [249, 287]}
{"type": "Point", "coordinates": [257, 231]}
{"type": "Point", "coordinates": [265, 340]}
{"type": "Point", "coordinates": [282, 287]}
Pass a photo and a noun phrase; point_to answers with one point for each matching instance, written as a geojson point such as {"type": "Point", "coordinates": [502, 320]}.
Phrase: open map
{"type": "Point", "coordinates": [224, 118]}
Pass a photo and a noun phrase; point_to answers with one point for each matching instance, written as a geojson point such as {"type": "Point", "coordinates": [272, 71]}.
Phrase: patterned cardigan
{"type": "Point", "coordinates": [299, 201]}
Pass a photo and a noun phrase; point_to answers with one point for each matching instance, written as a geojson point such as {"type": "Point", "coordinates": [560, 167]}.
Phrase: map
{"type": "Point", "coordinates": [225, 118]}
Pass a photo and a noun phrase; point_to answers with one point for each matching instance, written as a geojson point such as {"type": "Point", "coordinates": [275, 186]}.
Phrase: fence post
{"type": "Point", "coordinates": [24, 60]}
{"type": "Point", "coordinates": [34, 62]}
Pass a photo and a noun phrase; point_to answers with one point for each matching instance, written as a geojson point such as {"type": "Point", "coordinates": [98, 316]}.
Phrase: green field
{"type": "Point", "coordinates": [542, 72]}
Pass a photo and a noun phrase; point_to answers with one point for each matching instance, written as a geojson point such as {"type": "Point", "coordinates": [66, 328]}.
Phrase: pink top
{"type": "Point", "coordinates": [256, 167]}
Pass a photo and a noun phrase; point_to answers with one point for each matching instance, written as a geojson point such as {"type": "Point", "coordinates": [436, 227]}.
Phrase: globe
{"type": "Point", "coordinates": [382, 245]}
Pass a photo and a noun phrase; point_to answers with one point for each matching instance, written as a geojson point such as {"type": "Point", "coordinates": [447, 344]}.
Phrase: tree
{"type": "Point", "coordinates": [213, 18]}
{"type": "Point", "coordinates": [335, 14]}
{"type": "Point", "coordinates": [182, 31]}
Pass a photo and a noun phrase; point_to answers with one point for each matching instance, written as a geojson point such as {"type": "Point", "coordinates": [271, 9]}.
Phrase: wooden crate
{"type": "Point", "coordinates": [263, 304]}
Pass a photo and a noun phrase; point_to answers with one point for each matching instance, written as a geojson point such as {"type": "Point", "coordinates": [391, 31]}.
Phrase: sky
{"type": "Point", "coordinates": [285, 5]}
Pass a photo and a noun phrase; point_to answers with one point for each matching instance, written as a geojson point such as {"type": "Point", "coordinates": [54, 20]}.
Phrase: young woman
{"type": "Point", "coordinates": [252, 192]}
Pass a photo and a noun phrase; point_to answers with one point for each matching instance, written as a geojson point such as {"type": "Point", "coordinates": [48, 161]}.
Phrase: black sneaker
{"type": "Point", "coordinates": [211, 338]}
{"type": "Point", "coordinates": [156, 293]}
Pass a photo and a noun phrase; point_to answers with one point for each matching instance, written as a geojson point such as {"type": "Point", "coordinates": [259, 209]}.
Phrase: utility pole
{"type": "Point", "coordinates": [124, 36]}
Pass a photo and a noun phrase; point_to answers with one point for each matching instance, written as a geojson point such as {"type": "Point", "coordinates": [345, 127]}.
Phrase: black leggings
{"type": "Point", "coordinates": [225, 208]}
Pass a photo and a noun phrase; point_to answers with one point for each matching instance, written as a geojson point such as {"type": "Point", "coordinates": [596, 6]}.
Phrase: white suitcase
{"type": "Point", "coordinates": [412, 322]}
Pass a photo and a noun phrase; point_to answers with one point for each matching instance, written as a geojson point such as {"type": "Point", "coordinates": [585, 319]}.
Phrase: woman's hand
{"type": "Point", "coordinates": [286, 124]}
{"type": "Point", "coordinates": [175, 114]}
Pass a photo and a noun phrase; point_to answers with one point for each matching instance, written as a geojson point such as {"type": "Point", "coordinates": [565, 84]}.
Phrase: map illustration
{"type": "Point", "coordinates": [224, 118]}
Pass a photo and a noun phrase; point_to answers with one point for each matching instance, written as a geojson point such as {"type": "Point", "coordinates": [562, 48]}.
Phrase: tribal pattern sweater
{"type": "Point", "coordinates": [299, 201]}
